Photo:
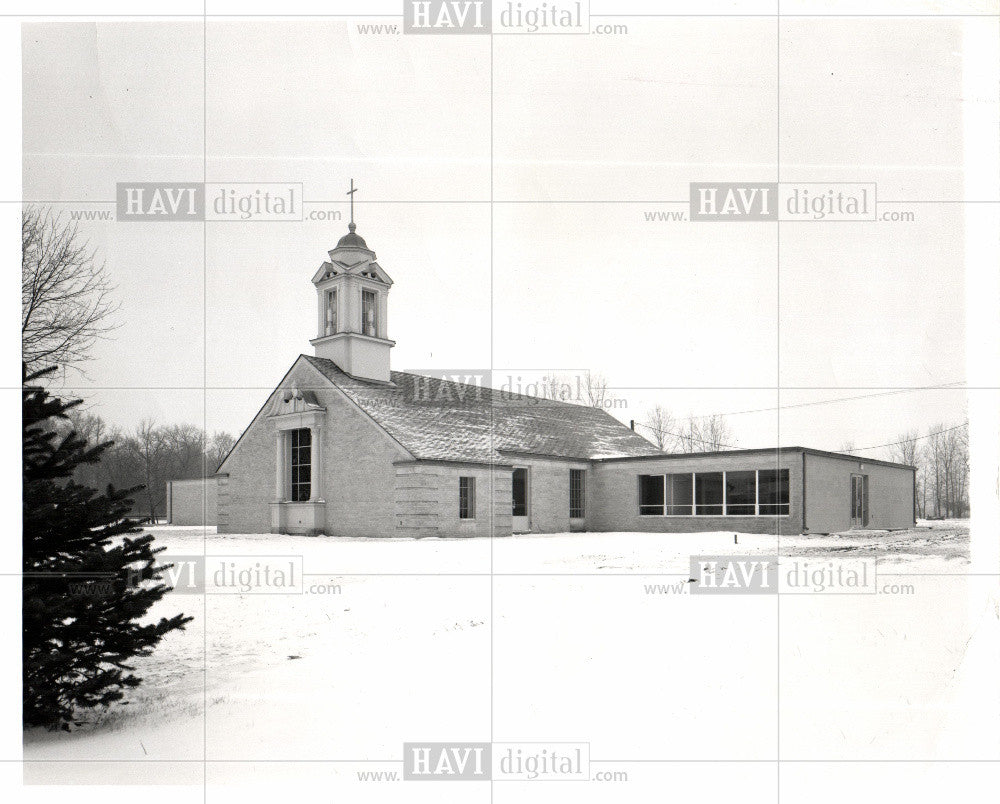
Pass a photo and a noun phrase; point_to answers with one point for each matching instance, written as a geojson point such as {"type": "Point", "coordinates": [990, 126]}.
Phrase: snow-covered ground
{"type": "Point", "coordinates": [569, 637]}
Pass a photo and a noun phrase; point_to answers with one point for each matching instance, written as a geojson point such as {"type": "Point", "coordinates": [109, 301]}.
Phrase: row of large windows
{"type": "Point", "coordinates": [757, 492]}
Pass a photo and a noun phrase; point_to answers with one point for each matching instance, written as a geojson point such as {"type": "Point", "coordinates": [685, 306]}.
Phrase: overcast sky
{"type": "Point", "coordinates": [589, 133]}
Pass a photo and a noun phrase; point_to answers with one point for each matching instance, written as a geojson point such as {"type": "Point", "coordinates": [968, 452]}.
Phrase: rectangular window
{"type": "Point", "coordinates": [741, 493]}
{"type": "Point", "coordinates": [301, 463]}
{"type": "Point", "coordinates": [715, 494]}
{"type": "Point", "coordinates": [708, 494]}
{"type": "Point", "coordinates": [331, 312]}
{"type": "Point", "coordinates": [651, 495]}
{"type": "Point", "coordinates": [467, 498]}
{"type": "Point", "coordinates": [680, 497]}
{"type": "Point", "coordinates": [519, 492]}
{"type": "Point", "coordinates": [369, 312]}
{"type": "Point", "coordinates": [772, 492]}
{"type": "Point", "coordinates": [576, 493]}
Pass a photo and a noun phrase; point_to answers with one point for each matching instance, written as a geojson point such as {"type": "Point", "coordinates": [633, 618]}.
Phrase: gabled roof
{"type": "Point", "coordinates": [340, 266]}
{"type": "Point", "coordinates": [436, 419]}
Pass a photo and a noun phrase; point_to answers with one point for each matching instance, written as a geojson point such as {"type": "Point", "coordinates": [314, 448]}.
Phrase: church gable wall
{"type": "Point", "coordinates": [357, 475]}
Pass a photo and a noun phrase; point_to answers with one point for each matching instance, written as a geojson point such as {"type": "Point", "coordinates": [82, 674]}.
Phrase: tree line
{"type": "Point", "coordinates": [694, 434]}
{"type": "Point", "coordinates": [941, 456]}
{"type": "Point", "coordinates": [147, 455]}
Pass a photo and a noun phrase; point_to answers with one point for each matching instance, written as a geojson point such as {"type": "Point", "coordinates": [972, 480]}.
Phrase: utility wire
{"type": "Point", "coordinates": [716, 445]}
{"type": "Point", "coordinates": [956, 384]}
{"type": "Point", "coordinates": [910, 440]}
{"type": "Point", "coordinates": [686, 436]}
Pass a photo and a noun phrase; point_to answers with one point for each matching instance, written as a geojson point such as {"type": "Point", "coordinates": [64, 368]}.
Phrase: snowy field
{"type": "Point", "coordinates": [572, 637]}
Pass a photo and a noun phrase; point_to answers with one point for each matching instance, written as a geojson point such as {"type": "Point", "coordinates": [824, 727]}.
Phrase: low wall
{"type": "Point", "coordinates": [192, 502]}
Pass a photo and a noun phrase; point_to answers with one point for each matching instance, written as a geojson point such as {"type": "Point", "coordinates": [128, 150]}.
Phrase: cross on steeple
{"type": "Point", "coordinates": [351, 193]}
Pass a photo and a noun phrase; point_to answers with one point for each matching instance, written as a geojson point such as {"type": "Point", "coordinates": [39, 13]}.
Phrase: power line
{"type": "Point", "coordinates": [957, 383]}
{"type": "Point", "coordinates": [716, 445]}
{"type": "Point", "coordinates": [686, 436]}
{"type": "Point", "coordinates": [911, 440]}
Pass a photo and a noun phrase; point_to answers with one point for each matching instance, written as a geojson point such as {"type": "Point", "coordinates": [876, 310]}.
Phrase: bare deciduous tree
{"type": "Point", "coordinates": [219, 446]}
{"type": "Point", "coordinates": [706, 434]}
{"type": "Point", "coordinates": [149, 455]}
{"type": "Point", "coordinates": [185, 446]}
{"type": "Point", "coordinates": [65, 293]}
{"type": "Point", "coordinates": [149, 443]}
{"type": "Point", "coordinates": [589, 388]}
{"type": "Point", "coordinates": [942, 461]}
{"type": "Point", "coordinates": [596, 391]}
{"type": "Point", "coordinates": [661, 424]}
{"type": "Point", "coordinates": [715, 433]}
{"type": "Point", "coordinates": [906, 447]}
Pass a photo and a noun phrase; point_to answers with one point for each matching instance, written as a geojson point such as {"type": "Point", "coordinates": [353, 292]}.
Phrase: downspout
{"type": "Point", "coordinates": [804, 527]}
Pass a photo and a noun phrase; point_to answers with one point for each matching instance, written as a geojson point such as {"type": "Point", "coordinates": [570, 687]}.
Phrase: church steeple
{"type": "Point", "coordinates": [352, 291]}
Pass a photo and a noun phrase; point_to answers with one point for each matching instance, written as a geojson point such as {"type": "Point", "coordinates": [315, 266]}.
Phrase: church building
{"type": "Point", "coordinates": [344, 446]}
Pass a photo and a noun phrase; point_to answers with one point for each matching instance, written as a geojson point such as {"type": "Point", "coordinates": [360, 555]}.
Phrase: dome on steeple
{"type": "Point", "coordinates": [352, 239]}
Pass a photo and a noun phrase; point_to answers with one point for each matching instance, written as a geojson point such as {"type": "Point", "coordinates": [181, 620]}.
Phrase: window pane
{"type": "Point", "coordinates": [680, 495]}
{"type": "Point", "coordinates": [331, 312]}
{"type": "Point", "coordinates": [651, 495]}
{"type": "Point", "coordinates": [773, 492]}
{"type": "Point", "coordinates": [576, 493]}
{"type": "Point", "coordinates": [300, 468]}
{"type": "Point", "coordinates": [519, 490]}
{"type": "Point", "coordinates": [369, 313]}
{"type": "Point", "coordinates": [741, 493]}
{"type": "Point", "coordinates": [466, 497]}
{"type": "Point", "coordinates": [708, 494]}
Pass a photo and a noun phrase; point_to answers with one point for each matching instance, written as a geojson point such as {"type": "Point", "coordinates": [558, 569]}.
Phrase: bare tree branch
{"type": "Point", "coordinates": [66, 296]}
{"type": "Point", "coordinates": [706, 434]}
{"type": "Point", "coordinates": [662, 425]}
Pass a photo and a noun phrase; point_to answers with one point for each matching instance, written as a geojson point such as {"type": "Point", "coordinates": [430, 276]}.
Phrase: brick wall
{"type": "Point", "coordinates": [548, 490]}
{"type": "Point", "coordinates": [427, 500]}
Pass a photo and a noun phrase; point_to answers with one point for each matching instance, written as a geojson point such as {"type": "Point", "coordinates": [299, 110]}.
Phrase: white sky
{"type": "Point", "coordinates": [625, 121]}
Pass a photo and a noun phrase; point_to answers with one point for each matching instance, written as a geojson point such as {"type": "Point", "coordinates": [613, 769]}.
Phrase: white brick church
{"type": "Point", "coordinates": [344, 446]}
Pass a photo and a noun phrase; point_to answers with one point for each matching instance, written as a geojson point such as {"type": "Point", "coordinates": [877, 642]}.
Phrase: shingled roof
{"type": "Point", "coordinates": [437, 419]}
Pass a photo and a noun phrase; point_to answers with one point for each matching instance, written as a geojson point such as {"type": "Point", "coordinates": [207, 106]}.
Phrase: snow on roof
{"type": "Point", "coordinates": [437, 419]}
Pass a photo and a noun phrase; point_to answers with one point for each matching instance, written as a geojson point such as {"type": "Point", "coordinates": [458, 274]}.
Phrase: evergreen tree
{"type": "Point", "coordinates": [88, 577]}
